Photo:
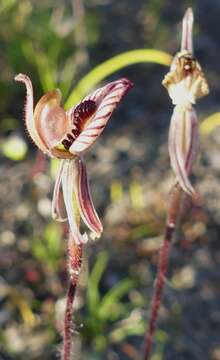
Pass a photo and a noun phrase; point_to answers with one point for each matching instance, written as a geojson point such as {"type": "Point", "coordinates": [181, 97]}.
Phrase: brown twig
{"type": "Point", "coordinates": [74, 266]}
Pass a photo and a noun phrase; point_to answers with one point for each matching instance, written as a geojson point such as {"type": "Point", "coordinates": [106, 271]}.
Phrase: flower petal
{"type": "Point", "coordinates": [106, 99]}
{"type": "Point", "coordinates": [57, 202]}
{"type": "Point", "coordinates": [181, 147]}
{"type": "Point", "coordinates": [192, 138]}
{"type": "Point", "coordinates": [50, 119]}
{"type": "Point", "coordinates": [84, 200]}
{"type": "Point", "coordinates": [29, 117]}
{"type": "Point", "coordinates": [68, 181]}
{"type": "Point", "coordinates": [187, 31]}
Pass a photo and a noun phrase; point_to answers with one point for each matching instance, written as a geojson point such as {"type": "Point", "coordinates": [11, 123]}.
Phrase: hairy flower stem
{"type": "Point", "coordinates": [177, 207]}
{"type": "Point", "coordinates": [74, 265]}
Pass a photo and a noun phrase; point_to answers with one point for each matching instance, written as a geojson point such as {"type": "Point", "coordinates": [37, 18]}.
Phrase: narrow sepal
{"type": "Point", "coordinates": [84, 200]}
{"type": "Point", "coordinates": [183, 143]}
{"type": "Point", "coordinates": [68, 182]}
{"type": "Point", "coordinates": [58, 207]}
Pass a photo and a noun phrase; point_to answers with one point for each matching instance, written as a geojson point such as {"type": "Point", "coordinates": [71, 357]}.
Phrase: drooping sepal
{"type": "Point", "coordinates": [69, 174]}
{"type": "Point", "coordinates": [84, 200]}
{"type": "Point", "coordinates": [58, 206]}
{"type": "Point", "coordinates": [183, 145]}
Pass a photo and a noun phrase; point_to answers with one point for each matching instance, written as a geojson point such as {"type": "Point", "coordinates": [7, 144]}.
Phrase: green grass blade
{"type": "Point", "coordinates": [112, 65]}
{"type": "Point", "coordinates": [113, 296]}
{"type": "Point", "coordinates": [210, 124]}
{"type": "Point", "coordinates": [93, 295]}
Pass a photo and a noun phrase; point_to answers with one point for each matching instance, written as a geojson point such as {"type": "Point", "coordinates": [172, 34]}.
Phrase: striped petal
{"type": "Point", "coordinates": [84, 200]}
{"type": "Point", "coordinates": [187, 31]}
{"type": "Point", "coordinates": [183, 142]}
{"type": "Point", "coordinates": [68, 186]}
{"type": "Point", "coordinates": [106, 100]}
{"type": "Point", "coordinates": [58, 208]}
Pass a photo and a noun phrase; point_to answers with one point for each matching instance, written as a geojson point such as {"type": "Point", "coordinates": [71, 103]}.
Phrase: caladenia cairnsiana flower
{"type": "Point", "coordinates": [185, 83]}
{"type": "Point", "coordinates": [66, 136]}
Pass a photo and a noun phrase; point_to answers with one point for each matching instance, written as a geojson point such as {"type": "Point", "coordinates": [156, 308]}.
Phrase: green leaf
{"type": "Point", "coordinates": [45, 67]}
{"type": "Point", "coordinates": [210, 124]}
{"type": "Point", "coordinates": [113, 296]}
{"type": "Point", "coordinates": [93, 295]}
{"type": "Point", "coordinates": [112, 65]}
{"type": "Point", "coordinates": [121, 333]}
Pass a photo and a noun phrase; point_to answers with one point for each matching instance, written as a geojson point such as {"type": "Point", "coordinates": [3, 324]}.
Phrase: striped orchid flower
{"type": "Point", "coordinates": [66, 136]}
{"type": "Point", "coordinates": [185, 83]}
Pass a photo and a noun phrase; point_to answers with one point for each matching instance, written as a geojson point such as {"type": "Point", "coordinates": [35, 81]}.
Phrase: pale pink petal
{"type": "Point", "coordinates": [187, 32]}
{"type": "Point", "coordinates": [106, 99]}
{"type": "Point", "coordinates": [29, 113]}
{"type": "Point", "coordinates": [50, 119]}
{"type": "Point", "coordinates": [58, 210]}
{"type": "Point", "coordinates": [192, 135]}
{"type": "Point", "coordinates": [68, 186]}
{"type": "Point", "coordinates": [180, 148]}
{"type": "Point", "coordinates": [84, 200]}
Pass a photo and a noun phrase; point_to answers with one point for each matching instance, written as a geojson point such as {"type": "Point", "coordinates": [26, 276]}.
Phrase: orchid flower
{"type": "Point", "coordinates": [66, 136]}
{"type": "Point", "coordinates": [185, 83]}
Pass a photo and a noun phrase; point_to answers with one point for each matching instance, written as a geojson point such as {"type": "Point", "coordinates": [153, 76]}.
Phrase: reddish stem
{"type": "Point", "coordinates": [74, 265]}
{"type": "Point", "coordinates": [161, 275]}
{"type": "Point", "coordinates": [179, 206]}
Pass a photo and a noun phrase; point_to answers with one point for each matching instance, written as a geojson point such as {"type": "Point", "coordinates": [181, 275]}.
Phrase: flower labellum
{"type": "Point", "coordinates": [66, 135]}
{"type": "Point", "coordinates": [185, 83]}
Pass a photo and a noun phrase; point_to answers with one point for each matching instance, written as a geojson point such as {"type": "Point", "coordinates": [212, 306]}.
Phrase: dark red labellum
{"type": "Point", "coordinates": [81, 113]}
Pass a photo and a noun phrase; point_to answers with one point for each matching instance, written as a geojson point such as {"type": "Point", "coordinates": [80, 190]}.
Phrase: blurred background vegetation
{"type": "Point", "coordinates": [57, 43]}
